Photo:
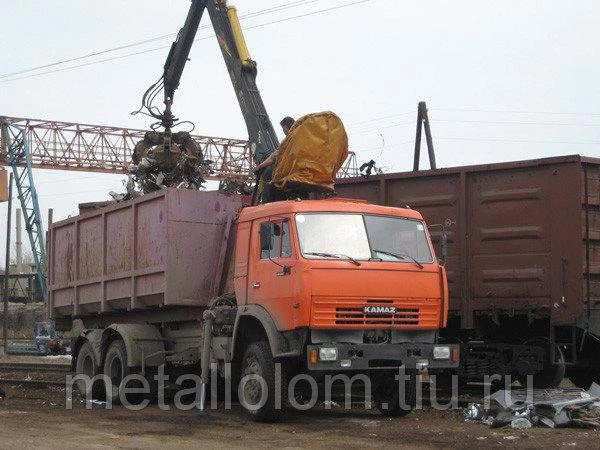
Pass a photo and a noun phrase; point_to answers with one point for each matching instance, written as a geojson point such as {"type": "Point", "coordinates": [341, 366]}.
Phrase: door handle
{"type": "Point", "coordinates": [255, 285]}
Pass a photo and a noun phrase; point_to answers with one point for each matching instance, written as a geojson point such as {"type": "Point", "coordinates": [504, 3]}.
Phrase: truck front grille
{"type": "Point", "coordinates": [349, 313]}
{"type": "Point", "coordinates": [354, 316]}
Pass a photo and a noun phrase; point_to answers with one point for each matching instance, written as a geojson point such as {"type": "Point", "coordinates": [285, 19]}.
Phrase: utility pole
{"type": "Point", "coordinates": [423, 122]}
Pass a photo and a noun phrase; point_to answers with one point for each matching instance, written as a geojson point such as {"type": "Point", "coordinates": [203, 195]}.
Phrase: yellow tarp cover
{"type": "Point", "coordinates": [312, 152]}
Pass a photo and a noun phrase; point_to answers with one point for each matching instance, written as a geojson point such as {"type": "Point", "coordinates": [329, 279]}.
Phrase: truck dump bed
{"type": "Point", "coordinates": [159, 250]}
{"type": "Point", "coordinates": [524, 237]}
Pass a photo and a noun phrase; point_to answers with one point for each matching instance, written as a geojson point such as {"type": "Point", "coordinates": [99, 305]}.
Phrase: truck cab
{"type": "Point", "coordinates": [347, 286]}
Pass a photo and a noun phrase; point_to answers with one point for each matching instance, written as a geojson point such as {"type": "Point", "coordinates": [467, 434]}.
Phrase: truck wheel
{"type": "Point", "coordinates": [88, 365]}
{"type": "Point", "coordinates": [393, 398]}
{"type": "Point", "coordinates": [257, 382]}
{"type": "Point", "coordinates": [552, 374]}
{"type": "Point", "coordinates": [115, 368]}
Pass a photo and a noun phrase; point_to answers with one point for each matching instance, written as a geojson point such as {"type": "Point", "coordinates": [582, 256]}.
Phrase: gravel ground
{"type": "Point", "coordinates": [36, 417]}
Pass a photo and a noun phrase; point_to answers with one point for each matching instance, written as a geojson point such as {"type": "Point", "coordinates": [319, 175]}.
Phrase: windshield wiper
{"type": "Point", "coordinates": [334, 255]}
{"type": "Point", "coordinates": [400, 256]}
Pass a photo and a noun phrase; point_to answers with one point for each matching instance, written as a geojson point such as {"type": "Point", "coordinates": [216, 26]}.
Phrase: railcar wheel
{"type": "Point", "coordinates": [553, 372]}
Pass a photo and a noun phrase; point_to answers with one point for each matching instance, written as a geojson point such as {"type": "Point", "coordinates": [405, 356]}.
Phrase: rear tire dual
{"type": "Point", "coordinates": [114, 369]}
{"type": "Point", "coordinates": [88, 365]}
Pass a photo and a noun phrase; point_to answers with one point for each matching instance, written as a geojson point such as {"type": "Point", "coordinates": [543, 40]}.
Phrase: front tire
{"type": "Point", "coordinates": [257, 392]}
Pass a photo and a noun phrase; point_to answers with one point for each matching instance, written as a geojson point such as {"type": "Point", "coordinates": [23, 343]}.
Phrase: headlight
{"type": "Point", "coordinates": [441, 352]}
{"type": "Point", "coordinates": [328, 354]}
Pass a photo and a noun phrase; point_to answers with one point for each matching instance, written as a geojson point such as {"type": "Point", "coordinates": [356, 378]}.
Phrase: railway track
{"type": "Point", "coordinates": [31, 383]}
{"type": "Point", "coordinates": [26, 374]}
{"type": "Point", "coordinates": [34, 367]}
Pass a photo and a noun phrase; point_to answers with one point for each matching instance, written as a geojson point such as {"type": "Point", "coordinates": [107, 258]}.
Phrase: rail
{"type": "Point", "coordinates": [34, 367]}
{"type": "Point", "coordinates": [31, 383]}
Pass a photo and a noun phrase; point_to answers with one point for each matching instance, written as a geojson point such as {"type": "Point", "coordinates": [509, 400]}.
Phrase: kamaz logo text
{"type": "Point", "coordinates": [388, 310]}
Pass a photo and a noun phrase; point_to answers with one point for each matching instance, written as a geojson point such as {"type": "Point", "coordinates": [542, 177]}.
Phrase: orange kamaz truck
{"type": "Point", "coordinates": [180, 281]}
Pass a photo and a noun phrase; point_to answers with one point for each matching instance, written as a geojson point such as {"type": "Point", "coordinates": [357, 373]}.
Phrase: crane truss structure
{"type": "Point", "coordinates": [107, 149]}
{"type": "Point", "coordinates": [16, 151]}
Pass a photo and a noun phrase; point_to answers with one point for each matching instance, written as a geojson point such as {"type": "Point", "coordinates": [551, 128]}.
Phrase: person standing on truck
{"type": "Point", "coordinates": [271, 193]}
{"type": "Point", "coordinates": [286, 123]}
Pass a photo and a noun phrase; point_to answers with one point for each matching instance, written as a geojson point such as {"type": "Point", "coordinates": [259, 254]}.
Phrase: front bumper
{"type": "Point", "coordinates": [354, 357]}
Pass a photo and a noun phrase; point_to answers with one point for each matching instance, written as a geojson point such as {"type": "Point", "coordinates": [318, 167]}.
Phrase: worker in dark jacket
{"type": "Point", "coordinates": [286, 123]}
{"type": "Point", "coordinates": [271, 193]}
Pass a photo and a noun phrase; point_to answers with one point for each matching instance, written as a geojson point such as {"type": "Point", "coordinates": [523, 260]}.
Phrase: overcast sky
{"type": "Point", "coordinates": [504, 80]}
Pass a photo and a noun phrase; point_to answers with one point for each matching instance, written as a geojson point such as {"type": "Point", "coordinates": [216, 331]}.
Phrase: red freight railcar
{"type": "Point", "coordinates": [523, 260]}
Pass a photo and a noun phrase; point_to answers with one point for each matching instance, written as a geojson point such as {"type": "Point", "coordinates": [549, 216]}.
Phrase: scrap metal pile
{"type": "Point", "coordinates": [523, 408]}
{"type": "Point", "coordinates": [160, 161]}
{"type": "Point", "coordinates": [164, 160]}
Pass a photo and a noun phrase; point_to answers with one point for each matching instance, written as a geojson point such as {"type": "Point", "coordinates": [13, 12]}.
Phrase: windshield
{"type": "Point", "coordinates": [363, 237]}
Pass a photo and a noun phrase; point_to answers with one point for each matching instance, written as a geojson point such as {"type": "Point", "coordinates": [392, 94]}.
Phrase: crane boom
{"type": "Point", "coordinates": [180, 49]}
{"type": "Point", "coordinates": [242, 71]}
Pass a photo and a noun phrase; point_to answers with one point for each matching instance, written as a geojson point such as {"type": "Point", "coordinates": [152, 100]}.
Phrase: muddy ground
{"type": "Point", "coordinates": [36, 417]}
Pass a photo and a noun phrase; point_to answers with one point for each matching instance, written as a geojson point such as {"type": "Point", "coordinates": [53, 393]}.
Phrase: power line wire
{"type": "Point", "coordinates": [436, 120]}
{"type": "Point", "coordinates": [371, 149]}
{"type": "Point", "coordinates": [384, 128]}
{"type": "Point", "coordinates": [382, 118]}
{"type": "Point", "coordinates": [154, 39]}
{"type": "Point", "coordinates": [515, 141]}
{"type": "Point", "coordinates": [521, 123]}
{"type": "Point", "coordinates": [515, 111]}
{"type": "Point", "coordinates": [87, 64]}
{"type": "Point", "coordinates": [195, 40]}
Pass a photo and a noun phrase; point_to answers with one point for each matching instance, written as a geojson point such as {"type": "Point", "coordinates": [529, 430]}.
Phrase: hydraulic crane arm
{"type": "Point", "coordinates": [241, 68]}
{"type": "Point", "coordinates": [242, 71]}
{"type": "Point", "coordinates": [180, 49]}
{"type": "Point", "coordinates": [173, 68]}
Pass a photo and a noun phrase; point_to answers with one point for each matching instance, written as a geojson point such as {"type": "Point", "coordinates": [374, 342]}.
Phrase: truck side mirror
{"type": "Point", "coordinates": [443, 248]}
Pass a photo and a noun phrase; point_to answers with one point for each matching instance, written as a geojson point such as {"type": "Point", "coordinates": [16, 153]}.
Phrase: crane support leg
{"type": "Point", "coordinates": [14, 139]}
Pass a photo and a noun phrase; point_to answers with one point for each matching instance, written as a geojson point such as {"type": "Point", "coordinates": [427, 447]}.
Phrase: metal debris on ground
{"type": "Point", "coordinates": [523, 408]}
{"type": "Point", "coordinates": [475, 412]}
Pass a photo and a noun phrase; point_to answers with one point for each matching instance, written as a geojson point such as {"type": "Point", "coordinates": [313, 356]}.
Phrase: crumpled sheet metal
{"type": "Point", "coordinates": [547, 407]}
{"type": "Point", "coordinates": [554, 398]}
{"type": "Point", "coordinates": [154, 168]}
{"type": "Point", "coordinates": [312, 153]}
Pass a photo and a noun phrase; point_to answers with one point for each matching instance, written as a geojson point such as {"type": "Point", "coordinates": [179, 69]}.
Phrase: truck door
{"type": "Point", "coordinates": [271, 273]}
